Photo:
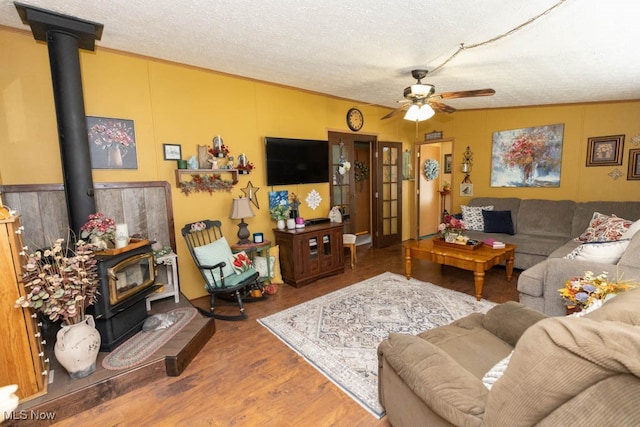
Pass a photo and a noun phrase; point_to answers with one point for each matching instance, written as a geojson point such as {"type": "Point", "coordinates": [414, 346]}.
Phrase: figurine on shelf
{"type": "Point", "coordinates": [229, 164]}
{"type": "Point", "coordinates": [214, 163]}
{"type": "Point", "coordinates": [193, 162]}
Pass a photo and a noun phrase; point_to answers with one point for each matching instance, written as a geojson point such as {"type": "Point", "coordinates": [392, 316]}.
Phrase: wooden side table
{"type": "Point", "coordinates": [172, 287]}
{"type": "Point", "coordinates": [251, 249]}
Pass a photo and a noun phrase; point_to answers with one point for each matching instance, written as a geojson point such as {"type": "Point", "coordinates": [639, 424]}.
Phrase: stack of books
{"type": "Point", "coordinates": [493, 243]}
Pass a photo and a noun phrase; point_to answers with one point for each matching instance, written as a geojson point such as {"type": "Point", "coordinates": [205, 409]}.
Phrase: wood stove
{"type": "Point", "coordinates": [125, 281]}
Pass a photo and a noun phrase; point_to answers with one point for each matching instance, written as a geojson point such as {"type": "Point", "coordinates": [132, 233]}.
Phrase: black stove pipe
{"type": "Point", "coordinates": [65, 35]}
{"type": "Point", "coordinates": [64, 59]}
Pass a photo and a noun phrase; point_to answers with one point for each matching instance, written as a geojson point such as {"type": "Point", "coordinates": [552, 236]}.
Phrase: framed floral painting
{"type": "Point", "coordinates": [605, 150]}
{"type": "Point", "coordinates": [112, 143]}
{"type": "Point", "coordinates": [528, 157]}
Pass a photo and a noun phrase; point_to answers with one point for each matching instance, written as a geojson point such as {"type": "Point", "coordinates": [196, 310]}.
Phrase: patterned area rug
{"type": "Point", "coordinates": [139, 347]}
{"type": "Point", "coordinates": [339, 333]}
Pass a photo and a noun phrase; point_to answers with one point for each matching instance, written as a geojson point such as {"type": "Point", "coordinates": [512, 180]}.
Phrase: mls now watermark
{"type": "Point", "coordinates": [29, 415]}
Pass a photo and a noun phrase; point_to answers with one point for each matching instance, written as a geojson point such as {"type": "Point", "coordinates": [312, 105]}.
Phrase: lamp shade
{"type": "Point", "coordinates": [241, 208]}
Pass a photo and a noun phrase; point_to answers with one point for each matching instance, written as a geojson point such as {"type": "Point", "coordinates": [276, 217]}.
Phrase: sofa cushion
{"type": "Point", "coordinates": [603, 252]}
{"type": "Point", "coordinates": [556, 221]}
{"type": "Point", "coordinates": [508, 321]}
{"type": "Point", "coordinates": [584, 212]}
{"type": "Point", "coordinates": [531, 280]}
{"type": "Point", "coordinates": [586, 353]}
{"type": "Point", "coordinates": [464, 339]}
{"type": "Point", "coordinates": [631, 257]}
{"type": "Point", "coordinates": [500, 204]}
{"type": "Point", "coordinates": [604, 228]}
{"type": "Point", "coordinates": [434, 376]}
{"type": "Point", "coordinates": [497, 222]}
{"type": "Point", "coordinates": [472, 217]}
{"type": "Point", "coordinates": [632, 230]}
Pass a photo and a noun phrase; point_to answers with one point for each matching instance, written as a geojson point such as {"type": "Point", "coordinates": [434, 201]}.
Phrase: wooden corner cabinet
{"type": "Point", "coordinates": [309, 253]}
{"type": "Point", "coordinates": [22, 360]}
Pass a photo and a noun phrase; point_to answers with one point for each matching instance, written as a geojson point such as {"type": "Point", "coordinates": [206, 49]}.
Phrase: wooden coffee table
{"type": "Point", "coordinates": [477, 260]}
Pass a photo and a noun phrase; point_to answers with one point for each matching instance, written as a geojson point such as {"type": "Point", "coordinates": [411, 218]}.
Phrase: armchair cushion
{"type": "Point", "coordinates": [508, 321]}
{"type": "Point", "coordinates": [240, 262]}
{"type": "Point", "coordinates": [213, 254]}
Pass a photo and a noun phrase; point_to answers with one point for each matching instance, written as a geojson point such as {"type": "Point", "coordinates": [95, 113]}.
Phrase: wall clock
{"type": "Point", "coordinates": [355, 119]}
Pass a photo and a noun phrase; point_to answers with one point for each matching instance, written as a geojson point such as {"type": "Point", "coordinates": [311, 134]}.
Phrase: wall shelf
{"type": "Point", "coordinates": [181, 172]}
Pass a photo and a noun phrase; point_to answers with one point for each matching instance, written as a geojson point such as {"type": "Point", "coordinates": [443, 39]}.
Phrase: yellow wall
{"type": "Point", "coordinates": [173, 103]}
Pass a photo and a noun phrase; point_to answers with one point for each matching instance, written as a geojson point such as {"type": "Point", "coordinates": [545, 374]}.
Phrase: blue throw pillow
{"type": "Point", "coordinates": [498, 222]}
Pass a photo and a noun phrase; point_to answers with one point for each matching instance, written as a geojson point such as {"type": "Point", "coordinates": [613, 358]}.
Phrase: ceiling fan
{"type": "Point", "coordinates": [421, 102]}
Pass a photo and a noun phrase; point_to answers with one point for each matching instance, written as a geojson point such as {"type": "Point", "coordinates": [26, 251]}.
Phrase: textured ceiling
{"type": "Point", "coordinates": [363, 50]}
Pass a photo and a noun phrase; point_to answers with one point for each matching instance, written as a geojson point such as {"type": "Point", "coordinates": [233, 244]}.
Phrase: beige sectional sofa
{"type": "Point", "coordinates": [562, 371]}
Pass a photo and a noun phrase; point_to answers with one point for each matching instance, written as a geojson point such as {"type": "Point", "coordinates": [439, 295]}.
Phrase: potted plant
{"type": "Point", "coordinates": [61, 283]}
{"type": "Point", "coordinates": [280, 213]}
{"type": "Point", "coordinates": [99, 230]}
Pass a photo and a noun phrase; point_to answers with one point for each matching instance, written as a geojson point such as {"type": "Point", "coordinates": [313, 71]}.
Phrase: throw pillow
{"type": "Point", "coordinates": [633, 229]}
{"type": "Point", "coordinates": [274, 251]}
{"type": "Point", "coordinates": [498, 222]}
{"type": "Point", "coordinates": [240, 262]}
{"type": "Point", "coordinates": [472, 217]}
{"type": "Point", "coordinates": [604, 228]}
{"type": "Point", "coordinates": [602, 252]}
{"type": "Point", "coordinates": [496, 372]}
{"type": "Point", "coordinates": [260, 264]}
{"type": "Point", "coordinates": [212, 254]}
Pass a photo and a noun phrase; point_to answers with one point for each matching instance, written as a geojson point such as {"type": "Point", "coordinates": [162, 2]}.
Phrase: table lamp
{"type": "Point", "coordinates": [241, 209]}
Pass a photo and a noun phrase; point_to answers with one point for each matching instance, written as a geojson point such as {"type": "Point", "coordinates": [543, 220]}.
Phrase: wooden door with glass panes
{"type": "Point", "coordinates": [388, 194]}
{"type": "Point", "coordinates": [342, 179]}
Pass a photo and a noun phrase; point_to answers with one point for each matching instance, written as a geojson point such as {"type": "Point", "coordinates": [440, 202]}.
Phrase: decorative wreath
{"type": "Point", "coordinates": [431, 169]}
{"type": "Point", "coordinates": [361, 171]}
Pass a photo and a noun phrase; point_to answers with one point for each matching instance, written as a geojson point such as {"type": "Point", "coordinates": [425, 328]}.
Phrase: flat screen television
{"type": "Point", "coordinates": [296, 161]}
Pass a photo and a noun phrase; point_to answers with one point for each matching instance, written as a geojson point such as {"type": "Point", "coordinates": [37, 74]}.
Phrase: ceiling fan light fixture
{"type": "Point", "coordinates": [422, 90]}
{"type": "Point", "coordinates": [417, 113]}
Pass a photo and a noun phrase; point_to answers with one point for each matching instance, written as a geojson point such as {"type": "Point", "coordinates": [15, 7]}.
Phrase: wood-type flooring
{"type": "Point", "coordinates": [245, 376]}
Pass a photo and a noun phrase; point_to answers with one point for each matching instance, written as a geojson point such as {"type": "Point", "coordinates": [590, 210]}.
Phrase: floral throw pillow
{"type": "Point", "coordinates": [604, 228]}
{"type": "Point", "coordinates": [472, 217]}
{"type": "Point", "coordinates": [240, 262]}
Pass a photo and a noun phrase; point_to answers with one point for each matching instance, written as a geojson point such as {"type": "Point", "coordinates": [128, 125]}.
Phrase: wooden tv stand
{"type": "Point", "coordinates": [309, 253]}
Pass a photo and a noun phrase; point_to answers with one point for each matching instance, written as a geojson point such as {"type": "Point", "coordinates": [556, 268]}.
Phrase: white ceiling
{"type": "Point", "coordinates": [363, 50]}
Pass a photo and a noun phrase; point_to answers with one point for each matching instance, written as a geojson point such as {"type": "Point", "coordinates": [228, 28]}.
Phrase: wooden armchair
{"type": "Point", "coordinates": [213, 257]}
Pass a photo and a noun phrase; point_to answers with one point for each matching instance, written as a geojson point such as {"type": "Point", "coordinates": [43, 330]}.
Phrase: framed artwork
{"type": "Point", "coordinates": [528, 157]}
{"type": "Point", "coordinates": [112, 143]}
{"type": "Point", "coordinates": [634, 164]}
{"type": "Point", "coordinates": [447, 163]}
{"type": "Point", "coordinates": [466, 190]}
{"type": "Point", "coordinates": [278, 198]}
{"type": "Point", "coordinates": [172, 151]}
{"type": "Point", "coordinates": [605, 150]}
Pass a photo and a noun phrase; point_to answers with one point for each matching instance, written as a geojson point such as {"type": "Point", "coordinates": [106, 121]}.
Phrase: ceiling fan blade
{"type": "Point", "coordinates": [443, 108]}
{"type": "Point", "coordinates": [465, 94]}
{"type": "Point", "coordinates": [398, 110]}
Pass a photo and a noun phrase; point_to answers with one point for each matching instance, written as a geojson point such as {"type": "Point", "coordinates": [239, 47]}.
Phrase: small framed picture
{"type": "Point", "coordinates": [605, 150]}
{"type": "Point", "coordinates": [172, 151]}
{"type": "Point", "coordinates": [634, 164]}
{"type": "Point", "coordinates": [466, 190]}
{"type": "Point", "coordinates": [447, 163]}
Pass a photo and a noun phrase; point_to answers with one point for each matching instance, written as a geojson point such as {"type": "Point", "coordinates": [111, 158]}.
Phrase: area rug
{"type": "Point", "coordinates": [142, 345]}
{"type": "Point", "coordinates": [339, 333]}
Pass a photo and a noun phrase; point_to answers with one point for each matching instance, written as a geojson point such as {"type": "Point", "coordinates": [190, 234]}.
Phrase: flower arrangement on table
{"type": "Point", "coordinates": [60, 282]}
{"type": "Point", "coordinates": [589, 290]}
{"type": "Point", "coordinates": [99, 228]}
{"type": "Point", "coordinates": [451, 227]}
{"type": "Point", "coordinates": [279, 212]}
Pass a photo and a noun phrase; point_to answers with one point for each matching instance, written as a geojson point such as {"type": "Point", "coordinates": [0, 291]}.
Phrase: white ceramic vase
{"type": "Point", "coordinates": [280, 224]}
{"type": "Point", "coordinates": [291, 223]}
{"type": "Point", "coordinates": [77, 347]}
